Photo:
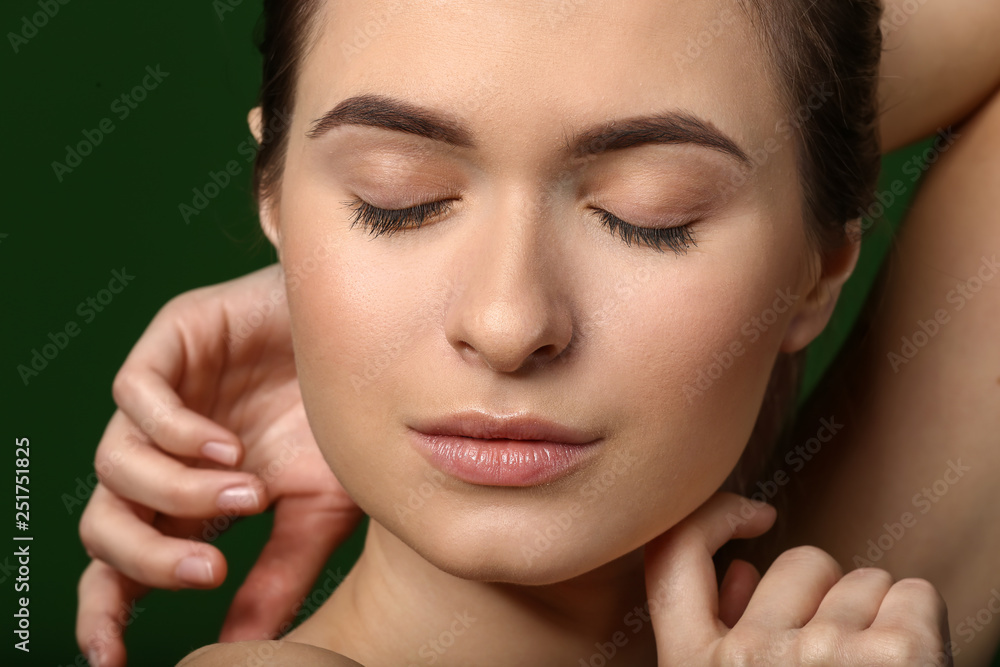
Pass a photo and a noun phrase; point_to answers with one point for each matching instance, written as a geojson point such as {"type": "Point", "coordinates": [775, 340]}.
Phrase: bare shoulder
{"type": "Point", "coordinates": [277, 653]}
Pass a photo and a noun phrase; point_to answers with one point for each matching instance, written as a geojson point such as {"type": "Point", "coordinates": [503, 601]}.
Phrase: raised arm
{"type": "Point", "coordinates": [941, 60]}
{"type": "Point", "coordinates": [907, 482]}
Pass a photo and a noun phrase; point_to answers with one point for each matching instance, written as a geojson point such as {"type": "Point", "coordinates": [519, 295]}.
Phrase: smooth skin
{"type": "Point", "coordinates": [904, 422]}
{"type": "Point", "coordinates": [501, 306]}
{"type": "Point", "coordinates": [920, 434]}
{"type": "Point", "coordinates": [969, 86]}
{"type": "Point", "coordinates": [240, 391]}
{"type": "Point", "coordinates": [876, 621]}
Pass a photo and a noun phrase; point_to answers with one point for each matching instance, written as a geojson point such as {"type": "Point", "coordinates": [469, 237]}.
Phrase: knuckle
{"type": "Point", "coordinates": [122, 385]}
{"type": "Point", "coordinates": [101, 461]}
{"type": "Point", "coordinates": [736, 655]}
{"type": "Point", "coordinates": [106, 460]}
{"type": "Point", "coordinates": [919, 588]}
{"type": "Point", "coordinates": [147, 566]}
{"type": "Point", "coordinates": [820, 644]}
{"type": "Point", "coordinates": [279, 581]}
{"type": "Point", "coordinates": [88, 534]}
{"type": "Point", "coordinates": [177, 303]}
{"type": "Point", "coordinates": [872, 573]}
{"type": "Point", "coordinates": [900, 647]}
{"type": "Point", "coordinates": [811, 556]}
{"type": "Point", "coordinates": [807, 552]}
{"type": "Point", "coordinates": [746, 649]}
{"type": "Point", "coordinates": [178, 307]}
{"type": "Point", "coordinates": [160, 428]}
{"type": "Point", "coordinates": [925, 596]}
{"type": "Point", "coordinates": [178, 492]}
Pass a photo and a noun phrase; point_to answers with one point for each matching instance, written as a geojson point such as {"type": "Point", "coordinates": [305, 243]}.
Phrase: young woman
{"type": "Point", "coordinates": [528, 276]}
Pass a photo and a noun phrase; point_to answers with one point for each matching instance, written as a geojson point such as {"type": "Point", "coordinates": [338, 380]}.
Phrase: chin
{"type": "Point", "coordinates": [503, 565]}
{"type": "Point", "coordinates": [509, 550]}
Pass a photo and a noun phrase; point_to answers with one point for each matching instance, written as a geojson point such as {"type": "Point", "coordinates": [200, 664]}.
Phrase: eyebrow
{"type": "Point", "coordinates": [672, 127]}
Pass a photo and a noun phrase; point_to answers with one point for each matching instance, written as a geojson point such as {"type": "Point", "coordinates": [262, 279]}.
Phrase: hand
{"type": "Point", "coordinates": [804, 611]}
{"type": "Point", "coordinates": [210, 426]}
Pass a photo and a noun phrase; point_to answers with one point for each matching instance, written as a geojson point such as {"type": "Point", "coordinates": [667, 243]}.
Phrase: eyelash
{"type": "Point", "coordinates": [378, 221]}
{"type": "Point", "coordinates": [678, 238]}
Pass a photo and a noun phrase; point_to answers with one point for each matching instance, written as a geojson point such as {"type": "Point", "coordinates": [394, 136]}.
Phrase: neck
{"type": "Point", "coordinates": [394, 607]}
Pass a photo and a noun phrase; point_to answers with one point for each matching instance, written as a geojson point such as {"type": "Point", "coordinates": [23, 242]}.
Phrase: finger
{"type": "Point", "coordinates": [913, 604]}
{"type": "Point", "coordinates": [854, 601]}
{"type": "Point", "coordinates": [736, 589]}
{"type": "Point", "coordinates": [104, 609]}
{"type": "Point", "coordinates": [792, 588]}
{"type": "Point", "coordinates": [286, 569]}
{"type": "Point", "coordinates": [680, 574]}
{"type": "Point", "coordinates": [140, 472]}
{"type": "Point", "coordinates": [112, 530]}
{"type": "Point", "coordinates": [144, 388]}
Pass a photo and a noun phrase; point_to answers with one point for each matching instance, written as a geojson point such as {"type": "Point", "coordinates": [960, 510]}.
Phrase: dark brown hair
{"type": "Point", "coordinates": [832, 45]}
{"type": "Point", "coordinates": [283, 37]}
{"type": "Point", "coordinates": [835, 46]}
{"type": "Point", "coordinates": [811, 45]}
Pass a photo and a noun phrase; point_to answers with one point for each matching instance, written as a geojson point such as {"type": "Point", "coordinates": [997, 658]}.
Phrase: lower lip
{"type": "Point", "coordinates": [499, 462]}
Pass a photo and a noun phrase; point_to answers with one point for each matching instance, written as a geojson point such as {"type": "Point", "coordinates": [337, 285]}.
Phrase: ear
{"type": "Point", "coordinates": [815, 310]}
{"type": "Point", "coordinates": [265, 207]}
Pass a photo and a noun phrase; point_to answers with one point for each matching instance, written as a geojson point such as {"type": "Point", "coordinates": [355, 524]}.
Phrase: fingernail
{"type": "Point", "coordinates": [194, 571]}
{"type": "Point", "coordinates": [94, 656]}
{"type": "Point", "coordinates": [220, 452]}
{"type": "Point", "coordinates": [237, 498]}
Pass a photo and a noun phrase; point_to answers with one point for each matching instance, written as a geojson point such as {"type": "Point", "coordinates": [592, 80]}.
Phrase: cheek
{"type": "Point", "coordinates": [356, 307]}
{"type": "Point", "coordinates": [690, 337]}
{"type": "Point", "coordinates": [358, 323]}
{"type": "Point", "coordinates": [686, 369]}
{"type": "Point", "coordinates": [343, 339]}
{"type": "Point", "coordinates": [658, 365]}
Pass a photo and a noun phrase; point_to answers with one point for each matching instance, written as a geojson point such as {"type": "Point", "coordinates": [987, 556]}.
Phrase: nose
{"type": "Point", "coordinates": [513, 313]}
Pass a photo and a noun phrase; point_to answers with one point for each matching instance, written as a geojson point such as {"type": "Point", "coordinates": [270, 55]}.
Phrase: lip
{"type": "Point", "coordinates": [502, 450]}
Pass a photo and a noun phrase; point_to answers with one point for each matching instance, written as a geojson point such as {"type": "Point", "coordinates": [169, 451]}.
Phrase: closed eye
{"type": "Point", "coordinates": [678, 238]}
{"type": "Point", "coordinates": [378, 221]}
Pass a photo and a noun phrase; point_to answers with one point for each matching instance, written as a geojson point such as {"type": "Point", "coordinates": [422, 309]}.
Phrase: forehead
{"type": "Point", "coordinates": [521, 73]}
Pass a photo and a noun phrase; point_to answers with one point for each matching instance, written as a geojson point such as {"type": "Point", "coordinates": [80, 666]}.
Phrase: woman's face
{"type": "Point", "coordinates": [516, 297]}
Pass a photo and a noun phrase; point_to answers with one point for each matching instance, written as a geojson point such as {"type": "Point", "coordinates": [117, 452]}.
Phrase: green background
{"type": "Point", "coordinates": [120, 208]}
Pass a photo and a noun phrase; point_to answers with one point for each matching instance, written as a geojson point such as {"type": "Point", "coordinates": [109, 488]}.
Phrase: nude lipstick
{"type": "Point", "coordinates": [502, 450]}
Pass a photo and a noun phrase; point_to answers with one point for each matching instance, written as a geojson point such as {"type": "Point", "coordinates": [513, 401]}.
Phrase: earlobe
{"type": "Point", "coordinates": [268, 223]}
{"type": "Point", "coordinates": [816, 309]}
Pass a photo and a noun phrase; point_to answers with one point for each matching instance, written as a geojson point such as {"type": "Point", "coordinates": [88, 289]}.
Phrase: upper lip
{"type": "Point", "coordinates": [520, 426]}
